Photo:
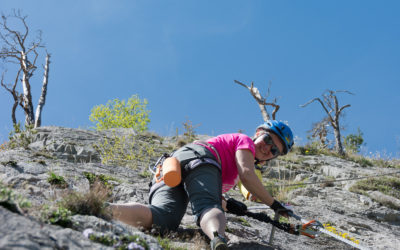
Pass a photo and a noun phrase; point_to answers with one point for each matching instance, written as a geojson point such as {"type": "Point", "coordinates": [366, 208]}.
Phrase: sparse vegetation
{"type": "Point", "coordinates": [244, 222]}
{"type": "Point", "coordinates": [57, 180]}
{"type": "Point", "coordinates": [103, 179]}
{"type": "Point", "coordinates": [145, 174]}
{"type": "Point", "coordinates": [58, 215]}
{"type": "Point", "coordinates": [166, 244]}
{"type": "Point", "coordinates": [9, 163]}
{"type": "Point", "coordinates": [21, 137]}
{"type": "Point", "coordinates": [127, 151]}
{"type": "Point", "coordinates": [44, 154]}
{"type": "Point", "coordinates": [89, 203]}
{"type": "Point", "coordinates": [277, 188]}
{"type": "Point", "coordinates": [387, 185]}
{"type": "Point", "coordinates": [120, 242]}
{"type": "Point", "coordinates": [12, 201]}
{"type": "Point", "coordinates": [189, 133]}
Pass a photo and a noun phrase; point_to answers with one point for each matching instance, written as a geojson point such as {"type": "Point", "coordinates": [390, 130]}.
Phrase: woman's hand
{"type": "Point", "coordinates": [224, 205]}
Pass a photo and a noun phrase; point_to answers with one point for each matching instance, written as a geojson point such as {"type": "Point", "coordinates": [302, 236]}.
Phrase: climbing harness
{"type": "Point", "coordinates": [170, 169]}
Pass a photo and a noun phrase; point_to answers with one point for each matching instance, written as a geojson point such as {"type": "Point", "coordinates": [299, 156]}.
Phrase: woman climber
{"type": "Point", "coordinates": [209, 169]}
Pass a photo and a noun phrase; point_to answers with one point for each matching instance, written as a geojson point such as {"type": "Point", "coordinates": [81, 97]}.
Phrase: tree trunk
{"type": "Point", "coordinates": [27, 97]}
{"type": "Point", "coordinates": [42, 99]}
{"type": "Point", "coordinates": [14, 108]}
{"type": "Point", "coordinates": [338, 139]}
{"type": "Point", "coordinates": [264, 112]}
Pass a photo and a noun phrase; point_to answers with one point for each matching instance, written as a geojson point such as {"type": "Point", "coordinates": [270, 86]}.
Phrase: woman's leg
{"type": "Point", "coordinates": [134, 214]}
{"type": "Point", "coordinates": [213, 220]}
{"type": "Point", "coordinates": [204, 188]}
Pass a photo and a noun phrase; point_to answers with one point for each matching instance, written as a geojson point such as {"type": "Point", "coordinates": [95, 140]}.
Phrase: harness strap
{"type": "Point", "coordinates": [209, 146]}
{"type": "Point", "coordinates": [192, 164]}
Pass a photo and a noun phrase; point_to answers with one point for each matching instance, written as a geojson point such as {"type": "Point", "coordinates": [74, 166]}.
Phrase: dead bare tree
{"type": "Point", "coordinates": [262, 101]}
{"type": "Point", "coordinates": [16, 49]}
{"type": "Point", "coordinates": [330, 104]}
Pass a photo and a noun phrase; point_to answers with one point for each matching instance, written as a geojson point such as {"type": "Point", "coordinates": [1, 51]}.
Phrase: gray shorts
{"type": "Point", "coordinates": [201, 186]}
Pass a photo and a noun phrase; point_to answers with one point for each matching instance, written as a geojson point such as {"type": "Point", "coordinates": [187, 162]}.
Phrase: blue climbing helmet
{"type": "Point", "coordinates": [281, 130]}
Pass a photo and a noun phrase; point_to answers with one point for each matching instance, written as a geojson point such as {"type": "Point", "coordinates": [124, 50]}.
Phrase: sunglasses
{"type": "Point", "coordinates": [274, 149]}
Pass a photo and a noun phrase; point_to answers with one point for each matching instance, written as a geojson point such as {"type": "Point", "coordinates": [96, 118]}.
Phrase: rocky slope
{"type": "Point", "coordinates": [71, 153]}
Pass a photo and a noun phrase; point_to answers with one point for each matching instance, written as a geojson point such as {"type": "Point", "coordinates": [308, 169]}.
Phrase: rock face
{"type": "Point", "coordinates": [72, 153]}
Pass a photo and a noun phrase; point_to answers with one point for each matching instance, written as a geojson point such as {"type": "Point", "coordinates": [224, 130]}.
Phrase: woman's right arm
{"type": "Point", "coordinates": [245, 165]}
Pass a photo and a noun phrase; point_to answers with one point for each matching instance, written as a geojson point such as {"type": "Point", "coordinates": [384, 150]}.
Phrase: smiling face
{"type": "Point", "coordinates": [263, 150]}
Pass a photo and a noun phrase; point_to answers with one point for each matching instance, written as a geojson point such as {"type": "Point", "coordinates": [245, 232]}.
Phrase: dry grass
{"type": "Point", "coordinates": [90, 203]}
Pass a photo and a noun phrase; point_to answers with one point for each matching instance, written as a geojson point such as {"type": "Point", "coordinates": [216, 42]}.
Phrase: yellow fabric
{"type": "Point", "coordinates": [247, 195]}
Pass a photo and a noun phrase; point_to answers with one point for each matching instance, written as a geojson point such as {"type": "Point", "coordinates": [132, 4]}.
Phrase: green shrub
{"type": "Point", "coordinates": [353, 142]}
{"type": "Point", "coordinates": [104, 179]}
{"type": "Point", "coordinates": [21, 137]}
{"type": "Point", "coordinates": [57, 180]}
{"type": "Point", "coordinates": [57, 216]}
{"type": "Point", "coordinates": [129, 151]}
{"type": "Point", "coordinates": [121, 114]}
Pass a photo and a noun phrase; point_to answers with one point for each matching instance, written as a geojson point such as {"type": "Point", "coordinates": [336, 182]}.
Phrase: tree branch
{"type": "Point", "coordinates": [322, 104]}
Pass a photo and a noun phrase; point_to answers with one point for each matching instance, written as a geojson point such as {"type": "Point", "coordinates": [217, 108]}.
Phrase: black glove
{"type": "Point", "coordinates": [279, 208]}
{"type": "Point", "coordinates": [236, 207]}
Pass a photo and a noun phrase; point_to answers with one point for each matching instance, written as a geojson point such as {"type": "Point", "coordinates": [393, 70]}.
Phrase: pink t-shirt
{"type": "Point", "coordinates": [227, 145]}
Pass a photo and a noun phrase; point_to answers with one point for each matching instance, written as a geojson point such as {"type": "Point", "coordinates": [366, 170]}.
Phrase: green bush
{"type": "Point", "coordinates": [129, 151]}
{"type": "Point", "coordinates": [57, 216]}
{"type": "Point", "coordinates": [353, 142]}
{"type": "Point", "coordinates": [104, 179]}
{"type": "Point", "coordinates": [21, 137]}
{"type": "Point", "coordinates": [57, 180]}
{"type": "Point", "coordinates": [121, 114]}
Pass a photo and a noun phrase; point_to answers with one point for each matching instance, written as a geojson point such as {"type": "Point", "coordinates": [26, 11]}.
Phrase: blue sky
{"type": "Point", "coordinates": [183, 57]}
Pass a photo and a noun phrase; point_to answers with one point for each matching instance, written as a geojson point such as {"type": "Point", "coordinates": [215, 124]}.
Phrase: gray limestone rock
{"type": "Point", "coordinates": [71, 154]}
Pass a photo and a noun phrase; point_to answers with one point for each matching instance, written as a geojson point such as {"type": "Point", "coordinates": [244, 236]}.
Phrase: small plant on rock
{"type": "Point", "coordinates": [120, 242]}
{"type": "Point", "coordinates": [13, 202]}
{"type": "Point", "coordinates": [57, 216]}
{"type": "Point", "coordinates": [57, 180]}
{"type": "Point", "coordinates": [103, 179]}
{"type": "Point", "coordinates": [90, 203]}
{"type": "Point", "coordinates": [189, 133]}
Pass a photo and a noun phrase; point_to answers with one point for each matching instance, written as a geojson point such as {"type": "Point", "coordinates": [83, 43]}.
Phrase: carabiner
{"type": "Point", "coordinates": [311, 229]}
